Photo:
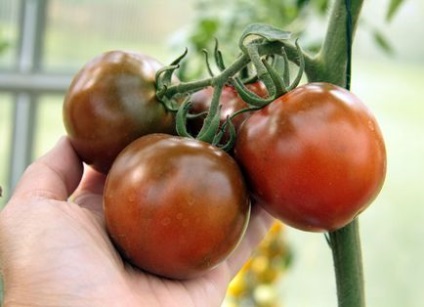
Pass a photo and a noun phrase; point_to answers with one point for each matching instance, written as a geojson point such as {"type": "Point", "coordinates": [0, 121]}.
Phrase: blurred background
{"type": "Point", "coordinates": [44, 42]}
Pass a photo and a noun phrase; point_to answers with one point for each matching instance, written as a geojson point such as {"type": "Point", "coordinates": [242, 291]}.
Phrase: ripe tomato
{"type": "Point", "coordinates": [111, 102]}
{"type": "Point", "coordinates": [230, 102]}
{"type": "Point", "coordinates": [314, 158]}
{"type": "Point", "coordinates": [174, 206]}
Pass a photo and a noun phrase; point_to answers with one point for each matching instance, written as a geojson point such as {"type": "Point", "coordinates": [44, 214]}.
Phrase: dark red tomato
{"type": "Point", "coordinates": [315, 158]}
{"type": "Point", "coordinates": [230, 102]}
{"type": "Point", "coordinates": [175, 207]}
{"type": "Point", "coordinates": [111, 102]}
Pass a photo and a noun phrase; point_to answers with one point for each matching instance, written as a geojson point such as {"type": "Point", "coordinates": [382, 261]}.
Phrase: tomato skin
{"type": "Point", "coordinates": [314, 158]}
{"type": "Point", "coordinates": [111, 102]}
{"type": "Point", "coordinates": [230, 102]}
{"type": "Point", "coordinates": [175, 207]}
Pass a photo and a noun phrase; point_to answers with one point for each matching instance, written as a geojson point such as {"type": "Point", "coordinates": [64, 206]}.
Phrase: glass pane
{"type": "Point", "coordinates": [76, 33]}
{"type": "Point", "coordinates": [5, 139]}
{"type": "Point", "coordinates": [49, 126]}
{"type": "Point", "coordinates": [9, 10]}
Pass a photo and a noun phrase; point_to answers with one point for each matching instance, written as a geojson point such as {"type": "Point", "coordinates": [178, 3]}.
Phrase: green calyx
{"type": "Point", "coordinates": [263, 57]}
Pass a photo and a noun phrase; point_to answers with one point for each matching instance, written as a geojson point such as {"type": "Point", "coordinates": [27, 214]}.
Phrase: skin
{"type": "Point", "coordinates": [54, 250]}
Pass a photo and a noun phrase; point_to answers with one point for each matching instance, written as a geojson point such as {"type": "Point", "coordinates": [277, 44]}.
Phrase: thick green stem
{"type": "Point", "coordinates": [346, 248]}
{"type": "Point", "coordinates": [331, 65]}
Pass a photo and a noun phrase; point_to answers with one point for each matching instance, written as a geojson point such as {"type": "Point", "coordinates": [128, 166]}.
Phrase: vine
{"type": "Point", "coordinates": [259, 45]}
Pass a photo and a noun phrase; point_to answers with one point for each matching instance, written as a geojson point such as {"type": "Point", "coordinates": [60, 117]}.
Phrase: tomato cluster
{"type": "Point", "coordinates": [176, 206]}
{"type": "Point", "coordinates": [173, 206]}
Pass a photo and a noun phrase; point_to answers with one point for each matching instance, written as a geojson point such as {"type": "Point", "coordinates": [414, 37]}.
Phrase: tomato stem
{"type": "Point", "coordinates": [254, 53]}
{"type": "Point", "coordinates": [347, 256]}
{"type": "Point", "coordinates": [333, 64]}
{"type": "Point", "coordinates": [223, 77]}
{"type": "Point", "coordinates": [330, 64]}
{"type": "Point", "coordinates": [264, 49]}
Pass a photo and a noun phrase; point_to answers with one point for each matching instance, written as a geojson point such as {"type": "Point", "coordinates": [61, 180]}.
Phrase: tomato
{"type": "Point", "coordinates": [111, 102]}
{"type": "Point", "coordinates": [174, 206]}
{"type": "Point", "coordinates": [230, 102]}
{"type": "Point", "coordinates": [314, 158]}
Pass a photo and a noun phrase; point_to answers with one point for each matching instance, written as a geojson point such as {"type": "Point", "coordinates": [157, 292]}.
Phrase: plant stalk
{"type": "Point", "coordinates": [347, 257]}
{"type": "Point", "coordinates": [332, 64]}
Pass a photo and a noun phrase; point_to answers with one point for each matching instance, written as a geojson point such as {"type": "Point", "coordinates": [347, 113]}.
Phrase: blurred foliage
{"type": "Point", "coordinates": [3, 43]}
{"type": "Point", "coordinates": [382, 42]}
{"type": "Point", "coordinates": [394, 6]}
{"type": "Point", "coordinates": [254, 285]}
{"type": "Point", "coordinates": [225, 20]}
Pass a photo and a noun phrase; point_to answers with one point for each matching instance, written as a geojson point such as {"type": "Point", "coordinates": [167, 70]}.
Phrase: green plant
{"type": "Point", "coordinates": [4, 43]}
{"type": "Point", "coordinates": [226, 19]}
{"type": "Point", "coordinates": [230, 102]}
{"type": "Point", "coordinates": [331, 63]}
{"type": "Point", "coordinates": [265, 53]}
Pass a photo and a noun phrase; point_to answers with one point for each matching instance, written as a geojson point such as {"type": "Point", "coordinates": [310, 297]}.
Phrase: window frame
{"type": "Point", "coordinates": [26, 81]}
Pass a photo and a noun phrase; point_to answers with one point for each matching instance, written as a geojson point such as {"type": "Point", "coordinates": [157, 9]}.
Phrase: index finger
{"type": "Point", "coordinates": [53, 176]}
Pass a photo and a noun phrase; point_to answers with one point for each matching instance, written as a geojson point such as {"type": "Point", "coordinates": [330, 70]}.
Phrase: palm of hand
{"type": "Point", "coordinates": [61, 251]}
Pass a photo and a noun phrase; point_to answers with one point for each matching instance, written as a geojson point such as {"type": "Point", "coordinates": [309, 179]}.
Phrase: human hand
{"type": "Point", "coordinates": [54, 249]}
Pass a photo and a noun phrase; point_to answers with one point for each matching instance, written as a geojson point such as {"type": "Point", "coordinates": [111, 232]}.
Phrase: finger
{"type": "Point", "coordinates": [92, 182]}
{"type": "Point", "coordinates": [53, 176]}
{"type": "Point", "coordinates": [259, 225]}
{"type": "Point", "coordinates": [89, 192]}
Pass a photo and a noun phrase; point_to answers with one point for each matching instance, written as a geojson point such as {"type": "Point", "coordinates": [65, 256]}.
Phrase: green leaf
{"type": "Point", "coordinates": [3, 46]}
{"type": "Point", "coordinates": [205, 31]}
{"type": "Point", "coordinates": [259, 30]}
{"type": "Point", "coordinates": [318, 6]}
{"type": "Point", "coordinates": [301, 3]}
{"type": "Point", "coordinates": [393, 8]}
{"type": "Point", "coordinates": [382, 42]}
{"type": "Point", "coordinates": [322, 6]}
